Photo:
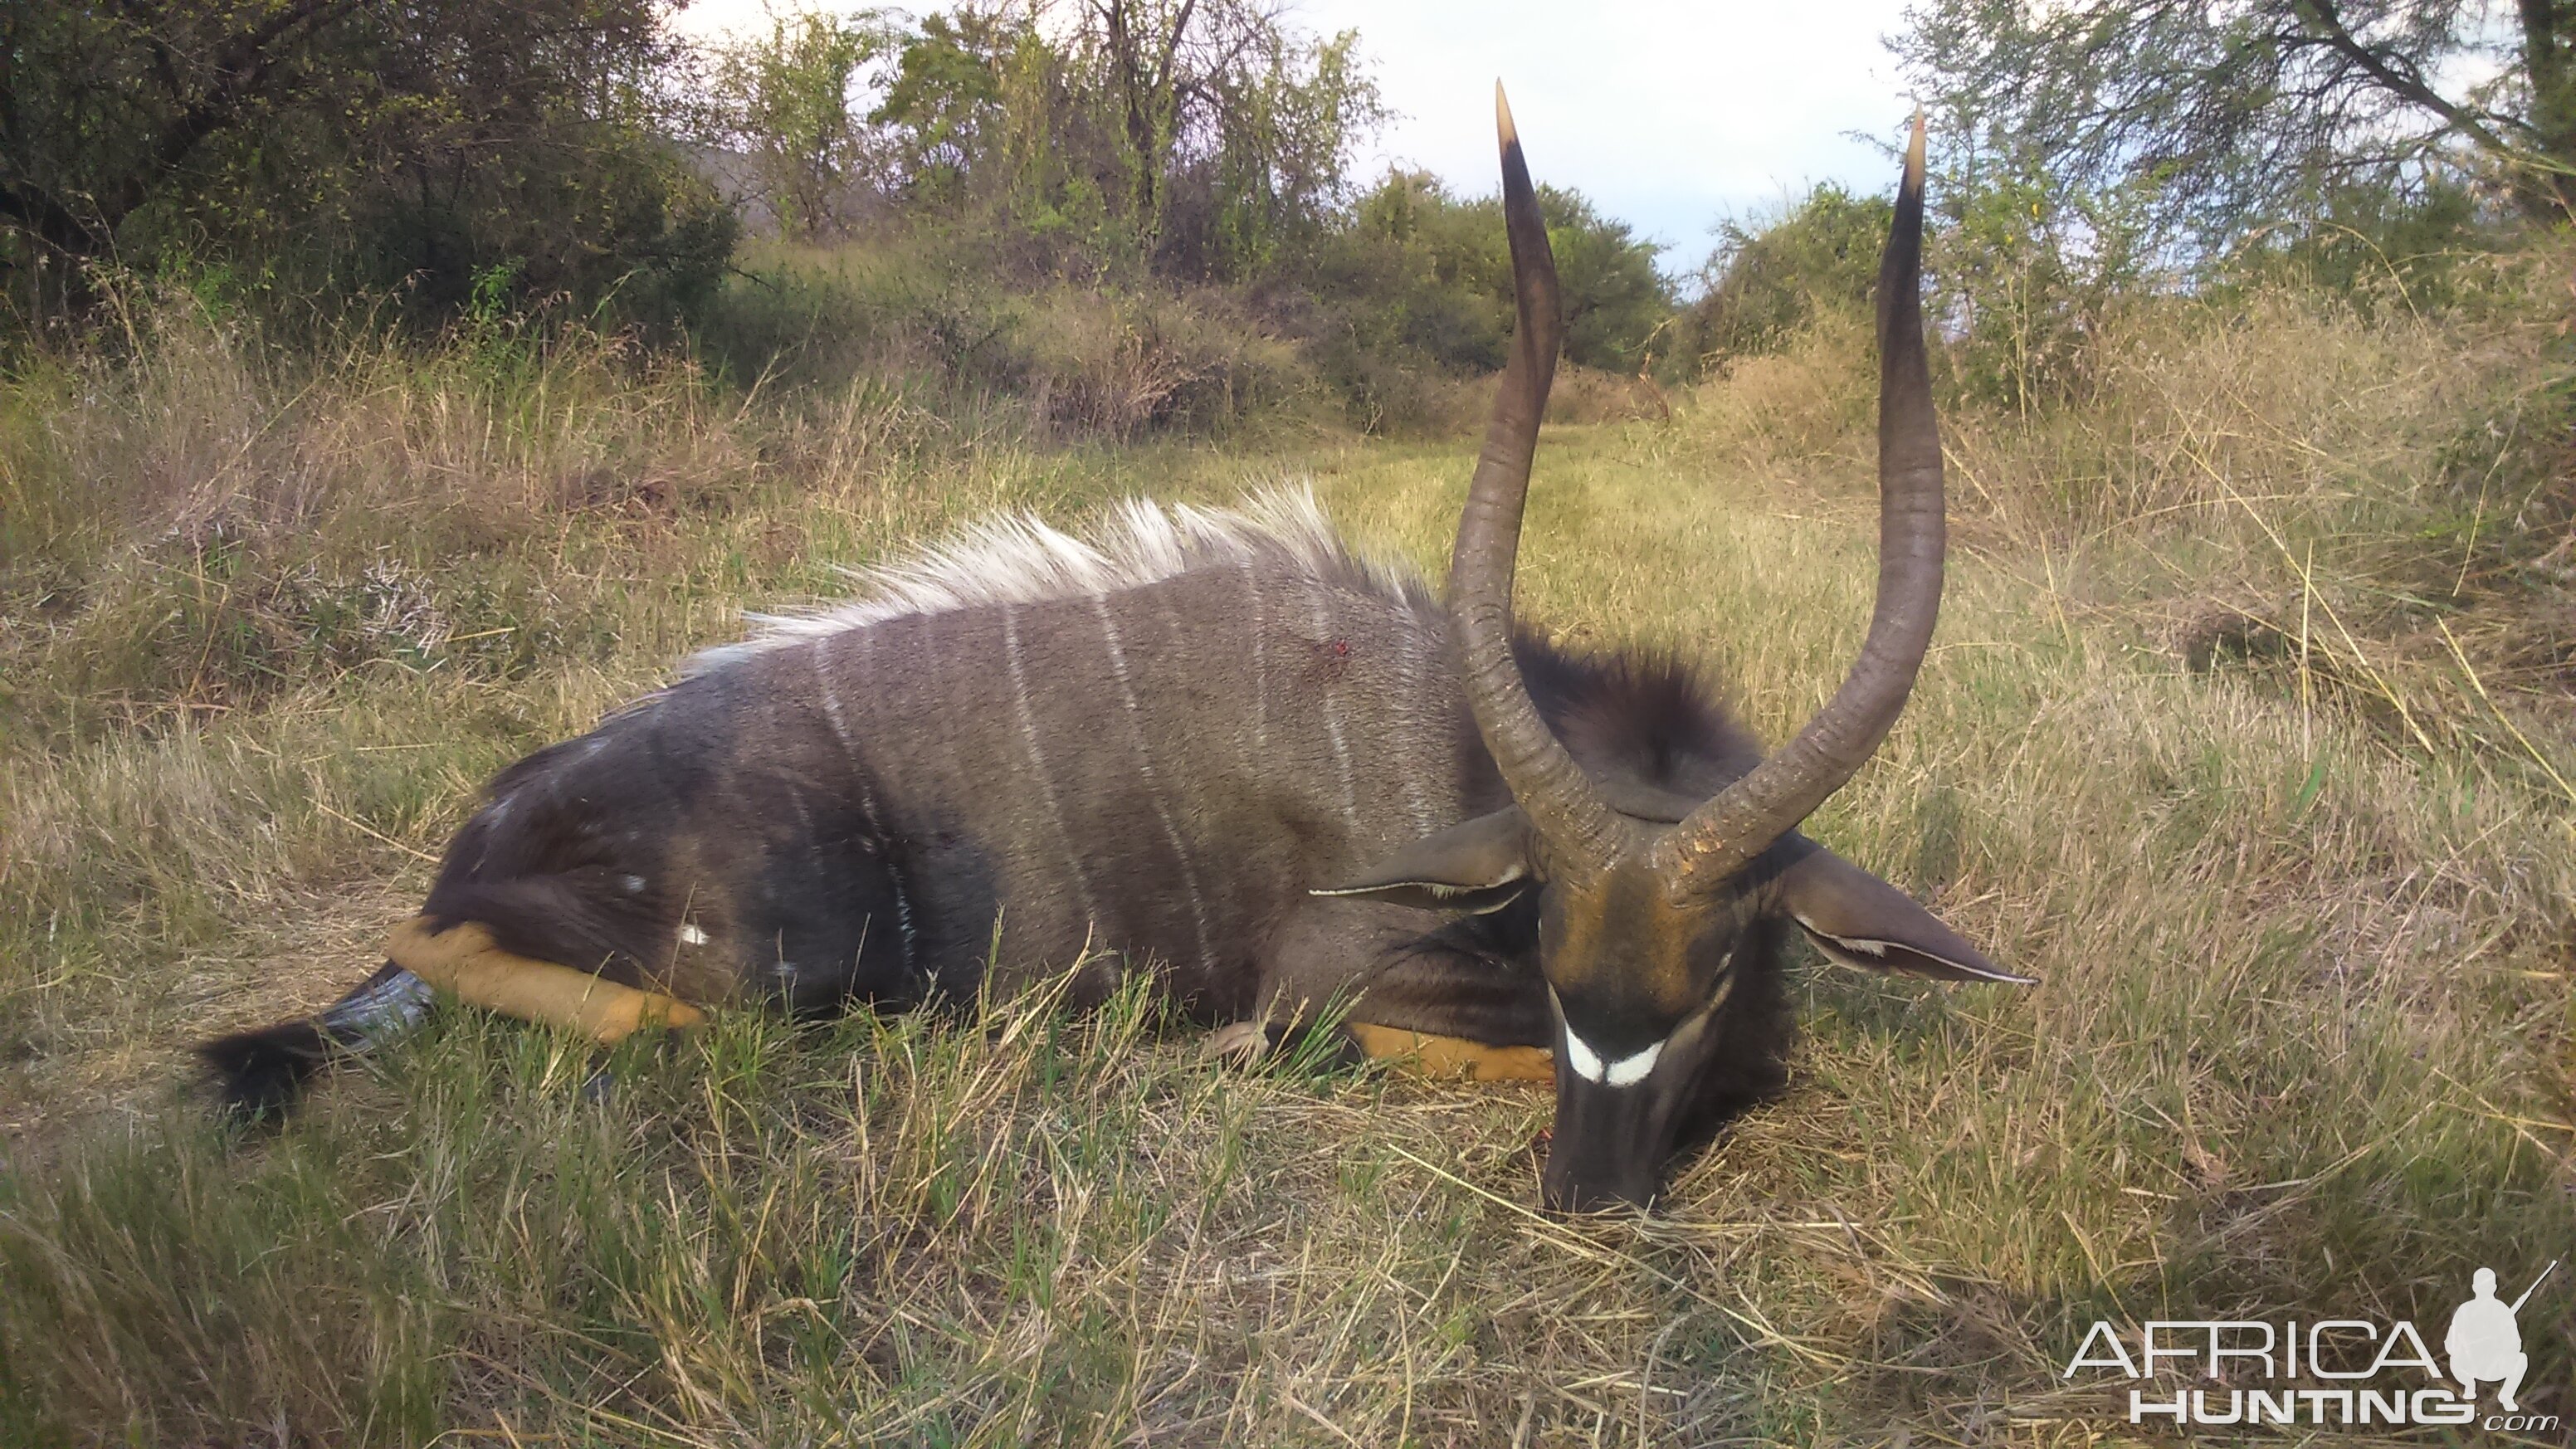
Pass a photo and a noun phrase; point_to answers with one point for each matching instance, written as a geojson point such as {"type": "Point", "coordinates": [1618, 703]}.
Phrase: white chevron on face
{"type": "Point", "coordinates": [1628, 1071]}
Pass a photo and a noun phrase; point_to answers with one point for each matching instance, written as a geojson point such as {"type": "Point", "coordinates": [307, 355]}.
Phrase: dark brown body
{"type": "Point", "coordinates": [1160, 773]}
{"type": "Point", "coordinates": [1151, 773]}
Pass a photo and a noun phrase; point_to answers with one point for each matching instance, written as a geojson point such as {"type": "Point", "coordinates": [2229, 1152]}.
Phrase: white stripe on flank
{"type": "Point", "coordinates": [1260, 672]}
{"type": "Point", "coordinates": [805, 822]}
{"type": "Point", "coordinates": [1410, 708]}
{"type": "Point", "coordinates": [867, 641]}
{"type": "Point", "coordinates": [1322, 610]}
{"type": "Point", "coordinates": [1037, 761]}
{"type": "Point", "coordinates": [1153, 785]}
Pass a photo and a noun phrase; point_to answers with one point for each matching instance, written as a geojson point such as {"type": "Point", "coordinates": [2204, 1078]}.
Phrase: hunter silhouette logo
{"type": "Point", "coordinates": [2485, 1341]}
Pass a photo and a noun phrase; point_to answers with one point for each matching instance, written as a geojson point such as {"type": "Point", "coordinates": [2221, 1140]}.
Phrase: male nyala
{"type": "Point", "coordinates": [1229, 750]}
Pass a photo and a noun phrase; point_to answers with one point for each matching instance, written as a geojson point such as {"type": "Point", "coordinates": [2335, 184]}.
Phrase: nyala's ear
{"type": "Point", "coordinates": [1860, 920]}
{"type": "Point", "coordinates": [1478, 867]}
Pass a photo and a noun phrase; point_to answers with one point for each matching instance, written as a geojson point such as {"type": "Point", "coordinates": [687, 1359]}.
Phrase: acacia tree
{"type": "Point", "coordinates": [2244, 107]}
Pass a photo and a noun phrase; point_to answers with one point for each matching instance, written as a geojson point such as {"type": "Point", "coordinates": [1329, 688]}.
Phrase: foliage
{"type": "Point", "coordinates": [1423, 277]}
{"type": "Point", "coordinates": [302, 144]}
{"type": "Point", "coordinates": [2244, 111]}
{"type": "Point", "coordinates": [2026, 268]}
{"type": "Point", "coordinates": [784, 99]}
{"type": "Point", "coordinates": [1767, 279]}
{"type": "Point", "coordinates": [2029, 272]}
{"type": "Point", "coordinates": [943, 110]}
{"type": "Point", "coordinates": [1200, 138]}
{"type": "Point", "coordinates": [1614, 297]}
{"type": "Point", "coordinates": [2433, 246]}
{"type": "Point", "coordinates": [508, 158]}
{"type": "Point", "coordinates": [2023, 271]}
{"type": "Point", "coordinates": [244, 692]}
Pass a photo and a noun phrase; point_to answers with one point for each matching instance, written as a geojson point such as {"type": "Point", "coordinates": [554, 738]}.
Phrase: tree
{"type": "Point", "coordinates": [2251, 108]}
{"type": "Point", "coordinates": [1417, 269]}
{"type": "Point", "coordinates": [101, 105]}
{"type": "Point", "coordinates": [943, 109]}
{"type": "Point", "coordinates": [1614, 297]}
{"type": "Point", "coordinates": [784, 99]}
{"type": "Point", "coordinates": [1197, 136]}
{"type": "Point", "coordinates": [428, 143]}
{"type": "Point", "coordinates": [1766, 280]}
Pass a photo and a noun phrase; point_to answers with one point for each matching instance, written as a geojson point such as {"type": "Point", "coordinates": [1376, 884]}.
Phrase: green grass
{"type": "Point", "coordinates": [2304, 1041]}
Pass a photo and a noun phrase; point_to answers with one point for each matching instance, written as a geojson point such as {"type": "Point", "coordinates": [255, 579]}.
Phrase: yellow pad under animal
{"type": "Point", "coordinates": [466, 960]}
{"type": "Point", "coordinates": [1452, 1057]}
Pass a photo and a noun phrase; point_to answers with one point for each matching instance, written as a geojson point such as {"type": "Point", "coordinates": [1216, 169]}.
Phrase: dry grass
{"type": "Point", "coordinates": [2304, 1045]}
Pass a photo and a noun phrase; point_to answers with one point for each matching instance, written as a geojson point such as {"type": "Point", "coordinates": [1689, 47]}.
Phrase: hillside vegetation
{"type": "Point", "coordinates": [2247, 730]}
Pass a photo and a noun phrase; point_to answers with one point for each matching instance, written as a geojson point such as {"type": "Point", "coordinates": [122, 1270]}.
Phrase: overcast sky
{"type": "Point", "coordinates": [1668, 114]}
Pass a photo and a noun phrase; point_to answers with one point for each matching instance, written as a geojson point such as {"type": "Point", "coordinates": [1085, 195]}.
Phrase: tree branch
{"type": "Point", "coordinates": [2407, 84]}
{"type": "Point", "coordinates": [51, 222]}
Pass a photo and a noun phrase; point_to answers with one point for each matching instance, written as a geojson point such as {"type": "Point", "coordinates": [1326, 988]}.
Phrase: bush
{"type": "Point", "coordinates": [926, 308]}
{"type": "Point", "coordinates": [1415, 291]}
{"type": "Point", "coordinates": [306, 152]}
{"type": "Point", "coordinates": [2427, 247]}
{"type": "Point", "coordinates": [1117, 366]}
{"type": "Point", "coordinates": [2359, 502]}
{"type": "Point", "coordinates": [1767, 279]}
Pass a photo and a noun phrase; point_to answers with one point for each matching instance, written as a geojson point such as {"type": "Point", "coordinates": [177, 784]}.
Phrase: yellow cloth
{"type": "Point", "coordinates": [465, 959]}
{"type": "Point", "coordinates": [1452, 1056]}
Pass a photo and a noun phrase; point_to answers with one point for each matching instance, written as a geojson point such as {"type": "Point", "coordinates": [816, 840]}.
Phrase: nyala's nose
{"type": "Point", "coordinates": [1583, 1192]}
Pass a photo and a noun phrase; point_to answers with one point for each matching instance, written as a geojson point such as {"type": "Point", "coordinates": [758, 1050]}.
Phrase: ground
{"type": "Point", "coordinates": [2301, 1045]}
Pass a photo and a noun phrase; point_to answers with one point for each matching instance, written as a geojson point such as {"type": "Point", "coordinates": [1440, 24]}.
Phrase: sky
{"type": "Point", "coordinates": [1670, 115]}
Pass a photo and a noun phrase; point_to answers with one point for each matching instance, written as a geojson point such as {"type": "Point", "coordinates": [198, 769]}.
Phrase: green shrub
{"type": "Point", "coordinates": [1415, 290]}
{"type": "Point", "coordinates": [302, 154]}
{"type": "Point", "coordinates": [1767, 278]}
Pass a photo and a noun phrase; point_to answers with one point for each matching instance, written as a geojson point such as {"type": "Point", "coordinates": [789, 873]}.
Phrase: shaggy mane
{"type": "Point", "coordinates": [1018, 559]}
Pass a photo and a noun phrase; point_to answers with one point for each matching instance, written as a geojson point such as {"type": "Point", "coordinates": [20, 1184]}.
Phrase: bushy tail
{"type": "Point", "coordinates": [262, 1073]}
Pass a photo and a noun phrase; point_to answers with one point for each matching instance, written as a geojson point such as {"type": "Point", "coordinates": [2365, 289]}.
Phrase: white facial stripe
{"type": "Point", "coordinates": [1630, 1070]}
{"type": "Point", "coordinates": [690, 935]}
{"type": "Point", "coordinates": [1585, 1061]}
{"type": "Point", "coordinates": [1635, 1067]}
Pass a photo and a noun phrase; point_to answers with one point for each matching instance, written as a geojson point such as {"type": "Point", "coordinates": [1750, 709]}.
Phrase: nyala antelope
{"type": "Point", "coordinates": [1236, 753]}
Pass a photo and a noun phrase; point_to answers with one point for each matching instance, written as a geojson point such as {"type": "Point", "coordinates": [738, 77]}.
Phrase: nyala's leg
{"type": "Point", "coordinates": [260, 1073]}
{"type": "Point", "coordinates": [1450, 997]}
